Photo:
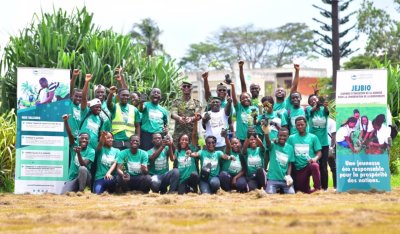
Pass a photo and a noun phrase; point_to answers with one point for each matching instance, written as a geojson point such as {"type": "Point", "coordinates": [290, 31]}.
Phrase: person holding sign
{"type": "Point", "coordinates": [82, 157]}
{"type": "Point", "coordinates": [307, 150]}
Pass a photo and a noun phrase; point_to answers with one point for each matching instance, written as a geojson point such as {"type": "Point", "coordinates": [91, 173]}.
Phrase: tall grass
{"type": "Point", "coordinates": [61, 40]}
{"type": "Point", "coordinates": [7, 150]}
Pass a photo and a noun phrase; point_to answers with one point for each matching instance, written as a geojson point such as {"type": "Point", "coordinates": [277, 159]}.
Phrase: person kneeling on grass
{"type": "Point", "coordinates": [161, 176]}
{"type": "Point", "coordinates": [106, 163]}
{"type": "Point", "coordinates": [188, 174]}
{"type": "Point", "coordinates": [135, 162]}
{"type": "Point", "coordinates": [82, 157]}
{"type": "Point", "coordinates": [281, 157]}
{"type": "Point", "coordinates": [232, 174]}
{"type": "Point", "coordinates": [254, 158]}
{"type": "Point", "coordinates": [307, 151]}
{"type": "Point", "coordinates": [210, 161]}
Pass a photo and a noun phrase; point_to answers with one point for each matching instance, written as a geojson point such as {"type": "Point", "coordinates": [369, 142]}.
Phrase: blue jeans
{"type": "Point", "coordinates": [190, 184]}
{"type": "Point", "coordinates": [257, 180]}
{"type": "Point", "coordinates": [159, 183]}
{"type": "Point", "coordinates": [139, 182]}
{"type": "Point", "coordinates": [226, 182]}
{"type": "Point", "coordinates": [102, 185]}
{"type": "Point", "coordinates": [274, 185]}
{"type": "Point", "coordinates": [210, 186]}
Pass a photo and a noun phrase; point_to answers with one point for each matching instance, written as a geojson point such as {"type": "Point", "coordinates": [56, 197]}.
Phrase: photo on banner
{"type": "Point", "coordinates": [363, 132]}
{"type": "Point", "coordinates": [42, 144]}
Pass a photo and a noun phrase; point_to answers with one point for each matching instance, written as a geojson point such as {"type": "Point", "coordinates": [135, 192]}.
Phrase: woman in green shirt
{"type": "Point", "coordinates": [106, 163]}
{"type": "Point", "coordinates": [253, 151]}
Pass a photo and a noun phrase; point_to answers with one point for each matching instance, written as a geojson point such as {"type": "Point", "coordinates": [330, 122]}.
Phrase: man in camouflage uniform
{"type": "Point", "coordinates": [183, 112]}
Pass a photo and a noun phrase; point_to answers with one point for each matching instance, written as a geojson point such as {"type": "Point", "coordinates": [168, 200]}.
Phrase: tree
{"type": "Point", "coordinates": [361, 61]}
{"type": "Point", "coordinates": [147, 33]}
{"type": "Point", "coordinates": [259, 47]}
{"type": "Point", "coordinates": [335, 50]}
{"type": "Point", "coordinates": [383, 32]}
{"type": "Point", "coordinates": [206, 54]}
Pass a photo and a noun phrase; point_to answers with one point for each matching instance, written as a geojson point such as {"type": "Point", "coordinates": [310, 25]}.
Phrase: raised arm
{"type": "Point", "coordinates": [195, 140]}
{"type": "Point", "coordinates": [88, 78]}
{"type": "Point", "coordinates": [120, 78]}
{"type": "Point", "coordinates": [101, 141]}
{"type": "Point", "coordinates": [207, 91]}
{"type": "Point", "coordinates": [68, 129]}
{"type": "Point", "coordinates": [296, 78]}
{"type": "Point", "coordinates": [228, 107]}
{"type": "Point", "coordinates": [75, 74]}
{"type": "Point", "coordinates": [233, 92]}
{"type": "Point", "coordinates": [241, 75]}
{"type": "Point", "coordinates": [228, 146]}
{"type": "Point", "coordinates": [110, 104]}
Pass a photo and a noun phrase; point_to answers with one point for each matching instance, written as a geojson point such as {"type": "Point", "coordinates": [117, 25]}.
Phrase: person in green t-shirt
{"type": "Point", "coordinates": [281, 102]}
{"type": "Point", "coordinates": [210, 161]}
{"type": "Point", "coordinates": [317, 114]}
{"type": "Point", "coordinates": [307, 151]}
{"type": "Point", "coordinates": [187, 166]}
{"type": "Point", "coordinates": [74, 108]}
{"type": "Point", "coordinates": [253, 151]}
{"type": "Point", "coordinates": [232, 170]}
{"type": "Point", "coordinates": [254, 88]}
{"type": "Point", "coordinates": [81, 159]}
{"type": "Point", "coordinates": [293, 111]}
{"type": "Point", "coordinates": [154, 119]}
{"type": "Point", "coordinates": [280, 164]}
{"type": "Point", "coordinates": [246, 115]}
{"type": "Point", "coordinates": [105, 178]}
{"type": "Point", "coordinates": [161, 176]}
{"type": "Point", "coordinates": [134, 161]}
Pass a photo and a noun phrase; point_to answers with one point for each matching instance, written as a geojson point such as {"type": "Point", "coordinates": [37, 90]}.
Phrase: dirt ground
{"type": "Point", "coordinates": [255, 212]}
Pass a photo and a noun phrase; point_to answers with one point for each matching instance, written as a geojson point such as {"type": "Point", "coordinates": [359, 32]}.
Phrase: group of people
{"type": "Point", "coordinates": [122, 142]}
{"type": "Point", "coordinates": [360, 133]}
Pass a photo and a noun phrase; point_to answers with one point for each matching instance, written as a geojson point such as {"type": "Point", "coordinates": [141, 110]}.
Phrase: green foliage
{"type": "Point", "coordinates": [59, 40]}
{"type": "Point", "coordinates": [259, 47]}
{"type": "Point", "coordinates": [394, 158]}
{"type": "Point", "coordinates": [361, 61]}
{"type": "Point", "coordinates": [383, 32]}
{"type": "Point", "coordinates": [7, 150]}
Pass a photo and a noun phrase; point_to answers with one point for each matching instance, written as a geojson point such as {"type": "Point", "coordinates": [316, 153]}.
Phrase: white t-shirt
{"type": "Point", "coordinates": [217, 122]}
{"type": "Point", "coordinates": [383, 134]}
{"type": "Point", "coordinates": [343, 132]}
{"type": "Point", "coordinates": [368, 127]}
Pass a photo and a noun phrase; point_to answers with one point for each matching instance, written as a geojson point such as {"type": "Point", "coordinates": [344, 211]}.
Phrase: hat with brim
{"type": "Point", "coordinates": [94, 102]}
{"type": "Point", "coordinates": [186, 83]}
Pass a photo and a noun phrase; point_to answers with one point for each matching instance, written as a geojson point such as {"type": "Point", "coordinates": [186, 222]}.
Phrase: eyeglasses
{"type": "Point", "coordinates": [186, 86]}
{"type": "Point", "coordinates": [221, 90]}
{"type": "Point", "coordinates": [211, 142]}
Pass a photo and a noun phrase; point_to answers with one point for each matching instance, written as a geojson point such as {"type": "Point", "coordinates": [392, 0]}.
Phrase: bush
{"type": "Point", "coordinates": [7, 150]}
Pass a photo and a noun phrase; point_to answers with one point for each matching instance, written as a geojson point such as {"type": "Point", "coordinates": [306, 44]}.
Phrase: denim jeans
{"type": "Point", "coordinates": [210, 186]}
{"type": "Point", "coordinates": [258, 180]}
{"type": "Point", "coordinates": [139, 182]}
{"type": "Point", "coordinates": [102, 185]}
{"type": "Point", "coordinates": [226, 183]}
{"type": "Point", "coordinates": [274, 185]}
{"type": "Point", "coordinates": [160, 183]}
{"type": "Point", "coordinates": [190, 184]}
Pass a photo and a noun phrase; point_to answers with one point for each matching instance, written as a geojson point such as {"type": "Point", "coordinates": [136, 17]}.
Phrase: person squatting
{"type": "Point", "coordinates": [120, 142]}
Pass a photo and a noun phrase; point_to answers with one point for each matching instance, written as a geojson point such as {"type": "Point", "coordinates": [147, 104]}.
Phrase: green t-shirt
{"type": "Point", "coordinates": [105, 159]}
{"type": "Point", "coordinates": [282, 105]}
{"type": "Point", "coordinates": [254, 159]}
{"type": "Point", "coordinates": [232, 167]}
{"type": "Point", "coordinates": [279, 159]}
{"type": "Point", "coordinates": [88, 154]}
{"type": "Point", "coordinates": [154, 117]}
{"type": "Point", "coordinates": [305, 148]}
{"type": "Point", "coordinates": [91, 125]}
{"type": "Point", "coordinates": [160, 165]}
{"type": "Point", "coordinates": [291, 114]}
{"type": "Point", "coordinates": [75, 119]}
{"type": "Point", "coordinates": [121, 136]}
{"type": "Point", "coordinates": [185, 165]}
{"type": "Point", "coordinates": [243, 120]}
{"type": "Point", "coordinates": [318, 122]}
{"type": "Point", "coordinates": [211, 157]}
{"type": "Point", "coordinates": [133, 162]}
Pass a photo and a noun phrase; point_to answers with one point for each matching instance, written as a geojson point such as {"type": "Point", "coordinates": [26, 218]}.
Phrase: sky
{"type": "Point", "coordinates": [183, 22]}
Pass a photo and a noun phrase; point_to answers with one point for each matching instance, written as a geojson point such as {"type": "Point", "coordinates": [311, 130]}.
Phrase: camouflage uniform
{"type": "Point", "coordinates": [184, 109]}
